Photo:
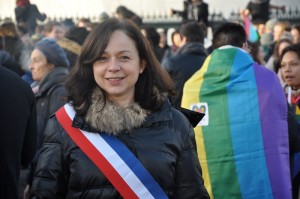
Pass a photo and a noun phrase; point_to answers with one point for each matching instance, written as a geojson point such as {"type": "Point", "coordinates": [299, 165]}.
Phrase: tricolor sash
{"type": "Point", "coordinates": [113, 158]}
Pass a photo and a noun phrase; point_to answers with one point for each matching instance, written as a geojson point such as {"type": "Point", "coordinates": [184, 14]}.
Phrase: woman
{"type": "Point", "coordinates": [295, 31]}
{"type": "Point", "coordinates": [273, 63]}
{"type": "Point", "coordinates": [290, 70]}
{"type": "Point", "coordinates": [153, 38]}
{"type": "Point", "coordinates": [118, 88]}
{"type": "Point", "coordinates": [49, 67]}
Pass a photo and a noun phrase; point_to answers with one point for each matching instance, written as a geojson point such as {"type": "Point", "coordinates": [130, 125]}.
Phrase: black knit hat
{"type": "Point", "coordinates": [53, 52]}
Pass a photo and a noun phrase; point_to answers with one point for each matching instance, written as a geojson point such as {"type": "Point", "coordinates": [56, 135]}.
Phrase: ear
{"type": "Point", "coordinates": [142, 66]}
{"type": "Point", "coordinates": [51, 66]}
{"type": "Point", "coordinates": [183, 40]}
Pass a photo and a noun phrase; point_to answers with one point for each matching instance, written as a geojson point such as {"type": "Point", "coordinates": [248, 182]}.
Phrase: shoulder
{"type": "Point", "coordinates": [56, 89]}
{"type": "Point", "coordinates": [12, 83]}
{"type": "Point", "coordinates": [54, 132]}
{"type": "Point", "coordinates": [177, 117]}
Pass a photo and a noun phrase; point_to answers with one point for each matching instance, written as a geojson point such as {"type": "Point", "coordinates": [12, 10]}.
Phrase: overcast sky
{"type": "Point", "coordinates": [87, 8]}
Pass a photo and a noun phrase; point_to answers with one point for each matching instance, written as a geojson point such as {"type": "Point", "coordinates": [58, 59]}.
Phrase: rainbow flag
{"type": "Point", "coordinates": [242, 144]}
{"type": "Point", "coordinates": [251, 32]}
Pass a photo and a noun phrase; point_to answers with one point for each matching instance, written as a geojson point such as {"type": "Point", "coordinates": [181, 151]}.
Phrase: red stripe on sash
{"type": "Point", "coordinates": [98, 159]}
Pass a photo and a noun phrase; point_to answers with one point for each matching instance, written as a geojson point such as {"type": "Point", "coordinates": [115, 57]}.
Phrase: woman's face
{"type": "Point", "coordinates": [290, 68]}
{"type": "Point", "coordinates": [278, 30]}
{"type": "Point", "coordinates": [118, 68]}
{"type": "Point", "coordinates": [57, 32]}
{"type": "Point", "coordinates": [282, 46]}
{"type": "Point", "coordinates": [39, 66]}
{"type": "Point", "coordinates": [296, 35]}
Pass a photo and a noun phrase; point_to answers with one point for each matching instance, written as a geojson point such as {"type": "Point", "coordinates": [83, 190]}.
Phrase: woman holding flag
{"type": "Point", "coordinates": [119, 137]}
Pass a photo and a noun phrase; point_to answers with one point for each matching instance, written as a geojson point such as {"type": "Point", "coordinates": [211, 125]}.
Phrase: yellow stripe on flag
{"type": "Point", "coordinates": [193, 86]}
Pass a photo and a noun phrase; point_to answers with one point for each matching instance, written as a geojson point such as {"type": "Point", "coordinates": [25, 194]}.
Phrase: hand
{"type": "Point", "coordinates": [26, 192]}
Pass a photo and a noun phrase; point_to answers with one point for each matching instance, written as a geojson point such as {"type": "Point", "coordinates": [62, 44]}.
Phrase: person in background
{"type": "Point", "coordinates": [193, 10]}
{"type": "Point", "coordinates": [162, 38]}
{"type": "Point", "coordinates": [175, 44]}
{"type": "Point", "coordinates": [295, 31]}
{"type": "Point", "coordinates": [18, 132]}
{"type": "Point", "coordinates": [38, 33]}
{"type": "Point", "coordinates": [280, 28]}
{"type": "Point", "coordinates": [27, 14]}
{"type": "Point", "coordinates": [68, 23]}
{"type": "Point", "coordinates": [273, 62]}
{"type": "Point", "coordinates": [118, 88]}
{"type": "Point", "coordinates": [49, 67]}
{"type": "Point", "coordinates": [103, 16]}
{"type": "Point", "coordinates": [187, 59]}
{"type": "Point", "coordinates": [290, 71]}
{"type": "Point", "coordinates": [77, 34]}
{"type": "Point", "coordinates": [8, 62]}
{"type": "Point", "coordinates": [54, 30]}
{"type": "Point", "coordinates": [245, 139]}
{"type": "Point", "coordinates": [259, 10]}
{"type": "Point", "coordinates": [85, 23]}
{"type": "Point", "coordinates": [153, 38]}
{"type": "Point", "coordinates": [123, 12]}
{"type": "Point", "coordinates": [257, 52]}
{"type": "Point", "coordinates": [71, 43]}
{"type": "Point", "coordinates": [266, 39]}
{"type": "Point", "coordinates": [10, 41]}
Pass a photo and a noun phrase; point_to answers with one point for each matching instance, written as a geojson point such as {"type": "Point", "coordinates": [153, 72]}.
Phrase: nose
{"type": "Point", "coordinates": [114, 65]}
{"type": "Point", "coordinates": [30, 66]}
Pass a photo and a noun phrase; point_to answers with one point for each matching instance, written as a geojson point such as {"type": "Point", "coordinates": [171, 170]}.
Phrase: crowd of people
{"type": "Point", "coordinates": [113, 110]}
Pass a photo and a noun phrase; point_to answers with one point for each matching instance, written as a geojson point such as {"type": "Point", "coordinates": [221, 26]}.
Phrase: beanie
{"type": "Point", "coordinates": [271, 23]}
{"type": "Point", "coordinates": [53, 52]}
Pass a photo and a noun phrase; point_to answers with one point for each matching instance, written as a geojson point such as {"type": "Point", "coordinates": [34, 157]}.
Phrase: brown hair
{"type": "Point", "coordinates": [152, 82]}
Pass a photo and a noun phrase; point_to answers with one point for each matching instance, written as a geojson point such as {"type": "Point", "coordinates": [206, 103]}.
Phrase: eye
{"type": "Point", "coordinates": [124, 58]}
{"type": "Point", "coordinates": [102, 59]}
{"type": "Point", "coordinates": [294, 64]}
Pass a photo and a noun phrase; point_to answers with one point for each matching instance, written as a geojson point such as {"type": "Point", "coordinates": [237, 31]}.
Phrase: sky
{"type": "Point", "coordinates": [92, 8]}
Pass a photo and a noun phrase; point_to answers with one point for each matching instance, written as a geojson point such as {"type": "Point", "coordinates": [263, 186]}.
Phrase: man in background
{"type": "Point", "coordinates": [18, 131]}
{"type": "Point", "coordinates": [193, 10]}
{"type": "Point", "coordinates": [187, 59]}
{"type": "Point", "coordinates": [243, 140]}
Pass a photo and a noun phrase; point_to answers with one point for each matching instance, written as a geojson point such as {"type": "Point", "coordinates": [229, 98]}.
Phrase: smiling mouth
{"type": "Point", "coordinates": [115, 78]}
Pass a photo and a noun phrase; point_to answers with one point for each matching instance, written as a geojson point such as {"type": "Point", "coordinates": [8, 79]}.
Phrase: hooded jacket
{"type": "Point", "coordinates": [186, 61]}
{"type": "Point", "coordinates": [50, 95]}
{"type": "Point", "coordinates": [163, 141]}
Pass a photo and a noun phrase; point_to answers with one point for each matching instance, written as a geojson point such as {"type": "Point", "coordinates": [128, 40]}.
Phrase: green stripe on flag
{"type": "Point", "coordinates": [220, 157]}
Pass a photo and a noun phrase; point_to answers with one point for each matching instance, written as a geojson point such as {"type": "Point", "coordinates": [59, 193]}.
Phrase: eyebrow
{"type": "Point", "coordinates": [122, 51]}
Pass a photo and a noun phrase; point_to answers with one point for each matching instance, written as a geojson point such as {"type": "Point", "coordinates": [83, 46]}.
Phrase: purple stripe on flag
{"type": "Point", "coordinates": [274, 130]}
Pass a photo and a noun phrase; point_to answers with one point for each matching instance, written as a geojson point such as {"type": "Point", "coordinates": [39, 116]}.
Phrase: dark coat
{"type": "Point", "coordinates": [186, 61]}
{"type": "Point", "coordinates": [26, 16]}
{"type": "Point", "coordinates": [202, 12]}
{"type": "Point", "coordinates": [51, 96]}
{"type": "Point", "coordinates": [8, 62]}
{"type": "Point", "coordinates": [164, 143]}
{"type": "Point", "coordinates": [18, 132]}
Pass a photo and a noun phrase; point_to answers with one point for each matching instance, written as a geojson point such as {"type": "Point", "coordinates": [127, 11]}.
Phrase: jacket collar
{"type": "Point", "coordinates": [106, 116]}
{"type": "Point", "coordinates": [101, 114]}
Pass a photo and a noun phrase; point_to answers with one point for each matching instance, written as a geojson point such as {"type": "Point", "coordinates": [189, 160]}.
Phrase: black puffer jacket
{"type": "Point", "coordinates": [164, 143]}
{"type": "Point", "coordinates": [187, 60]}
